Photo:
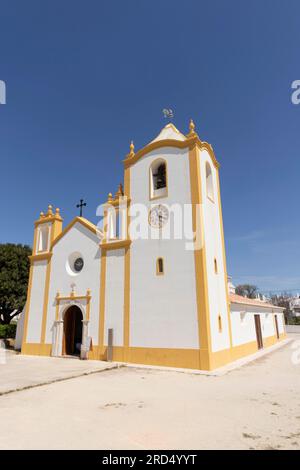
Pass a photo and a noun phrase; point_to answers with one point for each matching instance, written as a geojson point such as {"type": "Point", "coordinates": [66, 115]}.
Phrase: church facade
{"type": "Point", "coordinates": [161, 299]}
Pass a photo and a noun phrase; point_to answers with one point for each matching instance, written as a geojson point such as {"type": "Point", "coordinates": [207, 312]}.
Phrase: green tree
{"type": "Point", "coordinates": [246, 290]}
{"type": "Point", "coordinates": [14, 273]}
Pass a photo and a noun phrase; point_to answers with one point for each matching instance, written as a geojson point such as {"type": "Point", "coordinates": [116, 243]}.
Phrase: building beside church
{"type": "Point", "coordinates": [103, 293]}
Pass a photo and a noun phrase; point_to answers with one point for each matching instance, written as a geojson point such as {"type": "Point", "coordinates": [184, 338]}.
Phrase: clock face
{"type": "Point", "coordinates": [78, 264]}
{"type": "Point", "coordinates": [158, 216]}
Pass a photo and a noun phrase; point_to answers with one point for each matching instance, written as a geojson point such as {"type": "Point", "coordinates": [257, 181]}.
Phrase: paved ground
{"type": "Point", "coordinates": [21, 372]}
{"type": "Point", "coordinates": [256, 407]}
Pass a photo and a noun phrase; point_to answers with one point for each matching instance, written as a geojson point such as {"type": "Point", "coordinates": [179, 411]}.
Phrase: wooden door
{"type": "Point", "coordinates": [260, 344]}
{"type": "Point", "coordinates": [276, 325]}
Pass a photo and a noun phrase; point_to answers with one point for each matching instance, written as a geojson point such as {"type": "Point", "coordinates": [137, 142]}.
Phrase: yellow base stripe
{"type": "Point", "coordinates": [182, 358]}
{"type": "Point", "coordinates": [36, 349]}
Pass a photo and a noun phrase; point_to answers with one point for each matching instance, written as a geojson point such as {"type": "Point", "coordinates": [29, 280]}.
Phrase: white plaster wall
{"type": "Point", "coordinates": [81, 240]}
{"type": "Point", "coordinates": [163, 311]}
{"type": "Point", "coordinates": [213, 249]}
{"type": "Point", "coordinates": [114, 296]}
{"type": "Point", "coordinates": [242, 325]}
{"type": "Point", "coordinates": [267, 324]}
{"type": "Point", "coordinates": [280, 317]}
{"type": "Point", "coordinates": [36, 302]}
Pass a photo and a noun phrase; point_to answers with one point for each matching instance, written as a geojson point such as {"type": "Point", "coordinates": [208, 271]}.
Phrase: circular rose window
{"type": "Point", "coordinates": [74, 263]}
{"type": "Point", "coordinates": [78, 264]}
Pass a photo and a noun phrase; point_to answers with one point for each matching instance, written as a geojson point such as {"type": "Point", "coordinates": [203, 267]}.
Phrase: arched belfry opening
{"type": "Point", "coordinates": [158, 179]}
{"type": "Point", "coordinates": [72, 331]}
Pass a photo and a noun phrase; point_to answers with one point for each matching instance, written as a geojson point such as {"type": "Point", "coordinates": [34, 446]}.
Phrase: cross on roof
{"type": "Point", "coordinates": [81, 205]}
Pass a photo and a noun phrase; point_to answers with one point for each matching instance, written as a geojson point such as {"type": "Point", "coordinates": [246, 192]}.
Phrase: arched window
{"type": "Point", "coordinates": [159, 266]}
{"type": "Point", "coordinates": [43, 238]}
{"type": "Point", "coordinates": [158, 179]}
{"type": "Point", "coordinates": [209, 182]}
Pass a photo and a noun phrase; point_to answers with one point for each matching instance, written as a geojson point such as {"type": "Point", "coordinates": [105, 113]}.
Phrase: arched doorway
{"type": "Point", "coordinates": [72, 331]}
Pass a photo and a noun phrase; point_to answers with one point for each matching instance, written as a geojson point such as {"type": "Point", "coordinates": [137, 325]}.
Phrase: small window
{"type": "Point", "coordinates": [43, 239]}
{"type": "Point", "coordinates": [209, 182]}
{"type": "Point", "coordinates": [159, 266]}
{"type": "Point", "coordinates": [216, 266]}
{"type": "Point", "coordinates": [220, 323]}
{"type": "Point", "coordinates": [158, 179]}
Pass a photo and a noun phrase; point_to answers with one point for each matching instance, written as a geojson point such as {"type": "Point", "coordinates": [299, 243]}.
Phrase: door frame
{"type": "Point", "coordinates": [276, 326]}
{"type": "Point", "coordinates": [66, 320]}
{"type": "Point", "coordinates": [258, 330]}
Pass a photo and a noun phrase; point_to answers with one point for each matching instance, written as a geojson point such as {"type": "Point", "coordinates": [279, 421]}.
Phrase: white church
{"type": "Point", "coordinates": [101, 293]}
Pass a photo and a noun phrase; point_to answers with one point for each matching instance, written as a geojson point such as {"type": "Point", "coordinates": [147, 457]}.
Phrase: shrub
{"type": "Point", "coordinates": [8, 331]}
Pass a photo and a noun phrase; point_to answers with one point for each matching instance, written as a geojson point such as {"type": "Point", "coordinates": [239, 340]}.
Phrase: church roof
{"type": "Point", "coordinates": [239, 299]}
{"type": "Point", "coordinates": [81, 220]}
{"type": "Point", "coordinates": [169, 132]}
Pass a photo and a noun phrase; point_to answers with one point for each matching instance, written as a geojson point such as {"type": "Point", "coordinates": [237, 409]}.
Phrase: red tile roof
{"type": "Point", "coordinates": [239, 299]}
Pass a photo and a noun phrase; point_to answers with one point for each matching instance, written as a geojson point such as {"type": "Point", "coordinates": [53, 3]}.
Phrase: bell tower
{"type": "Point", "coordinates": [46, 229]}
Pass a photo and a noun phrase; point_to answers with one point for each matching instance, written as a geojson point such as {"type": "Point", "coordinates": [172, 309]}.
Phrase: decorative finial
{"type": "Point", "coordinates": [42, 215]}
{"type": "Point", "coordinates": [192, 126]}
{"type": "Point", "coordinates": [57, 211]}
{"type": "Point", "coordinates": [110, 197]}
{"type": "Point", "coordinates": [131, 148]}
{"type": "Point", "coordinates": [50, 212]}
{"type": "Point", "coordinates": [88, 292]}
{"type": "Point", "coordinates": [192, 132]}
{"type": "Point", "coordinates": [73, 285]}
{"type": "Point", "coordinates": [120, 192]}
{"type": "Point", "coordinates": [57, 294]}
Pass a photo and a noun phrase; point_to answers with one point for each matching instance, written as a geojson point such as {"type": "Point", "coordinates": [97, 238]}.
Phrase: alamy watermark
{"type": "Point", "coordinates": [157, 222]}
{"type": "Point", "coordinates": [2, 92]}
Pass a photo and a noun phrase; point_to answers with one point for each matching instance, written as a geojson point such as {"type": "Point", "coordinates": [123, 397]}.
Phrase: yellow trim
{"type": "Point", "coordinates": [73, 297]}
{"type": "Point", "coordinates": [153, 198]}
{"type": "Point", "coordinates": [28, 294]}
{"type": "Point", "coordinates": [185, 358]}
{"type": "Point", "coordinates": [40, 257]}
{"type": "Point", "coordinates": [188, 358]}
{"type": "Point", "coordinates": [80, 220]}
{"type": "Point", "coordinates": [36, 349]}
{"type": "Point", "coordinates": [118, 202]}
{"type": "Point", "coordinates": [46, 298]}
{"type": "Point", "coordinates": [200, 263]}
{"type": "Point", "coordinates": [88, 307]}
{"type": "Point", "coordinates": [224, 258]}
{"type": "Point", "coordinates": [188, 143]}
{"type": "Point", "coordinates": [126, 320]}
{"type": "Point", "coordinates": [102, 298]}
{"type": "Point", "coordinates": [269, 341]}
{"type": "Point", "coordinates": [115, 245]}
{"type": "Point", "coordinates": [48, 219]}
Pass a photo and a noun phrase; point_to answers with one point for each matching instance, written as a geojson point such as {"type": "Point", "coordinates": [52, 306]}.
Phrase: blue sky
{"type": "Point", "coordinates": [84, 78]}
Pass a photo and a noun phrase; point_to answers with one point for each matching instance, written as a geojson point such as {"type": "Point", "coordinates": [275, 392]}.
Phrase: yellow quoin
{"type": "Point", "coordinates": [161, 300]}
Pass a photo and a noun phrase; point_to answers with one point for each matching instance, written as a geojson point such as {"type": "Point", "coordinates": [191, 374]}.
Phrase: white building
{"type": "Point", "coordinates": [146, 300]}
{"type": "Point", "coordinates": [295, 306]}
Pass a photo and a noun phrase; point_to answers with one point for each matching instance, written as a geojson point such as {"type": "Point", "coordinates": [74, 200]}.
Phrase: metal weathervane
{"type": "Point", "coordinates": [168, 113]}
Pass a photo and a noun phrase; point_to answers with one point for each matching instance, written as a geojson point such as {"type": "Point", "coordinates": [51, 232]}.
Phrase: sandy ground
{"type": "Point", "coordinates": [254, 407]}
